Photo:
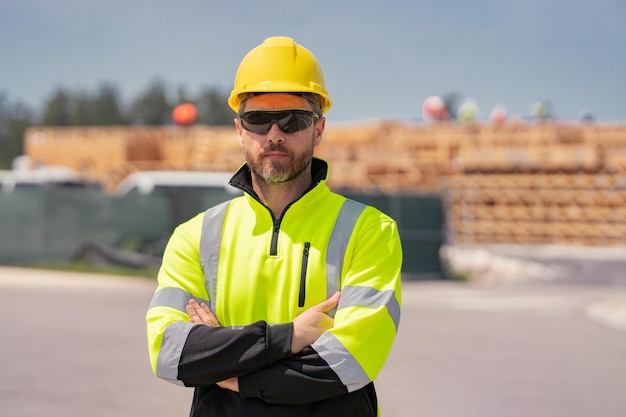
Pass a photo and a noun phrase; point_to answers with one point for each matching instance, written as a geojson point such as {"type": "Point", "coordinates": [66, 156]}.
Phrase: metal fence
{"type": "Point", "coordinates": [56, 225]}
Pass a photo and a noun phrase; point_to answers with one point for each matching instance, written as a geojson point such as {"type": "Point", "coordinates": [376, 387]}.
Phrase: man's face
{"type": "Point", "coordinates": [278, 157]}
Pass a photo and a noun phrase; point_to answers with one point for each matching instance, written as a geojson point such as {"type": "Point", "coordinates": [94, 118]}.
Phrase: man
{"type": "Point", "coordinates": [284, 301]}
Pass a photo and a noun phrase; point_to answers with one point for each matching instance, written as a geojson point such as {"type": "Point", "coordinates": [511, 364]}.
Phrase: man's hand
{"type": "Point", "coordinates": [310, 325]}
{"type": "Point", "coordinates": [202, 314]}
{"type": "Point", "coordinates": [230, 384]}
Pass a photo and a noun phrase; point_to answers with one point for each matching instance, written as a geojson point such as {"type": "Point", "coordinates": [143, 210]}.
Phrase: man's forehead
{"type": "Point", "coordinates": [268, 101]}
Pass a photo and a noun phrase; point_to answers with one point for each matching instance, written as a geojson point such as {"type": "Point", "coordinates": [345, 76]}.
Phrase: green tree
{"type": "Point", "coordinates": [82, 111]}
{"type": "Point", "coordinates": [182, 96]}
{"type": "Point", "coordinates": [14, 120]}
{"type": "Point", "coordinates": [107, 106]}
{"type": "Point", "coordinates": [213, 107]}
{"type": "Point", "coordinates": [57, 110]}
{"type": "Point", "coordinates": [66, 108]}
{"type": "Point", "coordinates": [152, 107]}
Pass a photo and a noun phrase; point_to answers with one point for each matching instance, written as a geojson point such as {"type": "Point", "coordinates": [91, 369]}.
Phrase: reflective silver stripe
{"type": "Point", "coordinates": [341, 361]}
{"type": "Point", "coordinates": [172, 345]}
{"type": "Point", "coordinates": [344, 225]}
{"type": "Point", "coordinates": [175, 298]}
{"type": "Point", "coordinates": [371, 298]}
{"type": "Point", "coordinates": [210, 241]}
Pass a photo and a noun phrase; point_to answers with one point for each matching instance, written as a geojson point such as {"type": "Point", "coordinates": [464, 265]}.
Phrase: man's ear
{"type": "Point", "coordinates": [239, 130]}
{"type": "Point", "coordinates": [319, 130]}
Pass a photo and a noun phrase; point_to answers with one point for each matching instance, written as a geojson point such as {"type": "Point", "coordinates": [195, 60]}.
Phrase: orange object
{"type": "Point", "coordinates": [184, 114]}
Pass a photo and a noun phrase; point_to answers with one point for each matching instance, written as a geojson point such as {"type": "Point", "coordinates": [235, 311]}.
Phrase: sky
{"type": "Point", "coordinates": [381, 59]}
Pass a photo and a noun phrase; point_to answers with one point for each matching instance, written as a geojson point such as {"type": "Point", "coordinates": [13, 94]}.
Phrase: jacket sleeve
{"type": "Point", "coordinates": [351, 354]}
{"type": "Point", "coordinates": [301, 379]}
{"type": "Point", "coordinates": [212, 354]}
{"type": "Point", "coordinates": [193, 354]}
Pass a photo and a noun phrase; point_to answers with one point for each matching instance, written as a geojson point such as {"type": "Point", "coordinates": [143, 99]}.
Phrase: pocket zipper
{"type": "Point", "coordinates": [305, 262]}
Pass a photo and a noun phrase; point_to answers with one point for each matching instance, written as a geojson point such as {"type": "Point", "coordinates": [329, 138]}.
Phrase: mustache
{"type": "Point", "coordinates": [274, 147]}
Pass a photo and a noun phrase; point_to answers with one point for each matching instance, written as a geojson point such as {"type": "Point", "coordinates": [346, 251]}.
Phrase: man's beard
{"type": "Point", "coordinates": [277, 172]}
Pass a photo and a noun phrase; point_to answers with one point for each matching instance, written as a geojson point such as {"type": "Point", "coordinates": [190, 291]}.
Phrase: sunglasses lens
{"type": "Point", "coordinates": [255, 121]}
{"type": "Point", "coordinates": [289, 121]}
{"type": "Point", "coordinates": [296, 122]}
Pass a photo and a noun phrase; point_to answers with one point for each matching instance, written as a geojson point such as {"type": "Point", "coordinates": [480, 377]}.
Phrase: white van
{"type": "Point", "coordinates": [145, 182]}
{"type": "Point", "coordinates": [45, 177]}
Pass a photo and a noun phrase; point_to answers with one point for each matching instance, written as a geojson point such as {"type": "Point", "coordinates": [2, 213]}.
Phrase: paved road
{"type": "Point", "coordinates": [74, 345]}
{"type": "Point", "coordinates": [504, 351]}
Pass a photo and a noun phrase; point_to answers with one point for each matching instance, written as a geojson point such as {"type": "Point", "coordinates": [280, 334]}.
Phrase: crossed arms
{"type": "Point", "coordinates": [307, 327]}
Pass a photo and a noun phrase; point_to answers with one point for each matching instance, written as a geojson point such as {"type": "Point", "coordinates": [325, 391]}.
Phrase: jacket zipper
{"type": "Point", "coordinates": [274, 243]}
{"type": "Point", "coordinates": [305, 262]}
{"type": "Point", "coordinates": [276, 231]}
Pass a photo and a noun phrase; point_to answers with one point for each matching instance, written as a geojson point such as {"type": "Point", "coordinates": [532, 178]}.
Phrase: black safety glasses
{"type": "Point", "coordinates": [288, 121]}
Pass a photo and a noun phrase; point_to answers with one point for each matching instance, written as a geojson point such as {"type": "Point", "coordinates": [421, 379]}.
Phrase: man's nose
{"type": "Point", "coordinates": [275, 135]}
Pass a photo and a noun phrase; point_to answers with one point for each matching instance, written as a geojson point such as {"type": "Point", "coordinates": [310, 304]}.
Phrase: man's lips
{"type": "Point", "coordinates": [274, 155]}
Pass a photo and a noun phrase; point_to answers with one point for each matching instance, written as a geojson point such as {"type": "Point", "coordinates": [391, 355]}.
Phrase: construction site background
{"type": "Point", "coordinates": [538, 183]}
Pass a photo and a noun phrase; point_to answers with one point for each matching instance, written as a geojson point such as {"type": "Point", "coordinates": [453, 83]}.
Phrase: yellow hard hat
{"type": "Point", "coordinates": [279, 65]}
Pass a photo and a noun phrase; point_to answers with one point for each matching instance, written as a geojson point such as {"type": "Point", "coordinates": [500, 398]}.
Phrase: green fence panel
{"type": "Point", "coordinates": [187, 202]}
{"type": "Point", "coordinates": [52, 225]}
{"type": "Point", "coordinates": [66, 222]}
{"type": "Point", "coordinates": [419, 212]}
{"type": "Point", "coordinates": [137, 220]}
{"type": "Point", "coordinates": [22, 219]}
{"type": "Point", "coordinates": [421, 220]}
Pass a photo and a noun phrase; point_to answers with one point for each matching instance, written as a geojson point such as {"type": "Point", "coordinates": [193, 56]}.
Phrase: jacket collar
{"type": "Point", "coordinates": [243, 177]}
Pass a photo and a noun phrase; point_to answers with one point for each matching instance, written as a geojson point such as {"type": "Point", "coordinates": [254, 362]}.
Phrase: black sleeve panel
{"type": "Point", "coordinates": [300, 379]}
{"type": "Point", "coordinates": [213, 354]}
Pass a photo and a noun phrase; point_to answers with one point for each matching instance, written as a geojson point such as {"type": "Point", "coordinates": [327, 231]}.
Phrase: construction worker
{"type": "Point", "coordinates": [284, 301]}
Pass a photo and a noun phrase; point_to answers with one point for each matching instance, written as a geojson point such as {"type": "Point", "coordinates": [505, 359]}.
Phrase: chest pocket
{"type": "Point", "coordinates": [211, 239]}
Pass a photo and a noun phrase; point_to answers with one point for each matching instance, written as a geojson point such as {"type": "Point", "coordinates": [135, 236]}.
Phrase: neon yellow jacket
{"type": "Point", "coordinates": [258, 273]}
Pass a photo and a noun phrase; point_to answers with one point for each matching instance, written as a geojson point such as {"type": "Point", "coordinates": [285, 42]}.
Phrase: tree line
{"type": "Point", "coordinates": [104, 107]}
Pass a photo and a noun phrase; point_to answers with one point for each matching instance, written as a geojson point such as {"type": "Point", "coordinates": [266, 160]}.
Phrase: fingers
{"type": "Point", "coordinates": [231, 384]}
{"type": "Point", "coordinates": [201, 314]}
{"type": "Point", "coordinates": [193, 314]}
{"type": "Point", "coordinates": [312, 323]}
{"type": "Point", "coordinates": [192, 311]}
{"type": "Point", "coordinates": [330, 303]}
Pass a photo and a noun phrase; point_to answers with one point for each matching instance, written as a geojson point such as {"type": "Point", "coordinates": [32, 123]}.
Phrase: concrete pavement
{"type": "Point", "coordinates": [74, 345]}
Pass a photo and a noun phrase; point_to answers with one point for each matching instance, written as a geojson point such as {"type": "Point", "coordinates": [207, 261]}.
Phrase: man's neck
{"type": "Point", "coordinates": [278, 196]}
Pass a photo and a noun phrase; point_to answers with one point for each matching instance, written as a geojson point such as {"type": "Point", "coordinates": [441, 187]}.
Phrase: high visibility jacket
{"type": "Point", "coordinates": [258, 273]}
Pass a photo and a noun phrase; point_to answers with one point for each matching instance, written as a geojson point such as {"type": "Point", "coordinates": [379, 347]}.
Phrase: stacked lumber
{"type": "Point", "coordinates": [585, 209]}
{"type": "Point", "coordinates": [556, 184]}
{"type": "Point", "coordinates": [518, 182]}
